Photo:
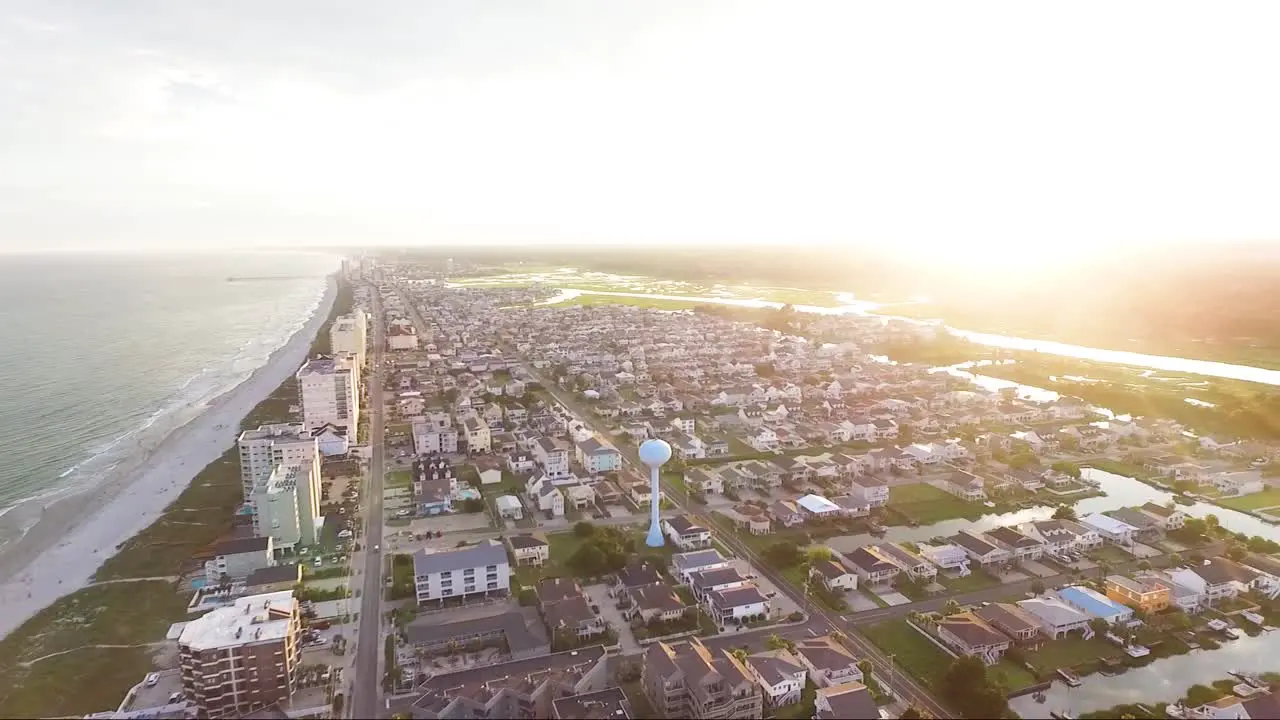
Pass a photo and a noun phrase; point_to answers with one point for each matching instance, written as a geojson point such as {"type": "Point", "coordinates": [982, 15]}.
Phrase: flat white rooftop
{"type": "Point", "coordinates": [256, 618]}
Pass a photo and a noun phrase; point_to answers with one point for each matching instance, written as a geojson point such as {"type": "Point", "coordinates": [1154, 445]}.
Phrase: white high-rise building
{"type": "Point", "coordinates": [330, 393]}
{"type": "Point", "coordinates": [350, 334]}
{"type": "Point", "coordinates": [263, 449]}
{"type": "Point", "coordinates": [288, 505]}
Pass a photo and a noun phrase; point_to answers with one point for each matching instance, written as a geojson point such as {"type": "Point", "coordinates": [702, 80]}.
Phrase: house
{"type": "Point", "coordinates": [1218, 578]}
{"type": "Point", "coordinates": [686, 534]}
{"type": "Point", "coordinates": [869, 490]}
{"type": "Point", "coordinates": [1011, 620]}
{"type": "Point", "coordinates": [529, 549]}
{"type": "Point", "coordinates": [638, 573]}
{"type": "Point", "coordinates": [787, 513]}
{"type": "Point", "coordinates": [1232, 484]}
{"type": "Point", "coordinates": [951, 558]}
{"type": "Point", "coordinates": [1095, 604]}
{"type": "Point", "coordinates": [684, 564]}
{"type": "Point", "coordinates": [1112, 530]}
{"type": "Point", "coordinates": [1056, 618]}
{"type": "Point", "coordinates": [1138, 593]}
{"type": "Point", "coordinates": [981, 550]}
{"type": "Point", "coordinates": [762, 439]}
{"type": "Point", "coordinates": [1214, 443]}
{"type": "Point", "coordinates": [688, 679]}
{"type": "Point", "coordinates": [580, 495]}
{"type": "Point", "coordinates": [703, 582]}
{"type": "Point", "coordinates": [970, 635]}
{"type": "Point", "coordinates": [655, 603]}
{"type": "Point", "coordinates": [520, 463]}
{"type": "Point", "coordinates": [828, 662]}
{"type": "Point", "coordinates": [474, 570]}
{"type": "Point", "coordinates": [1233, 707]}
{"type": "Point", "coordinates": [846, 701]}
{"type": "Point", "coordinates": [851, 506]}
{"type": "Point", "coordinates": [478, 438]}
{"type": "Point", "coordinates": [1268, 569]}
{"type": "Point", "coordinates": [1025, 479]}
{"type": "Point", "coordinates": [434, 494]}
{"type": "Point", "coordinates": [549, 499]}
{"type": "Point", "coordinates": [1169, 518]}
{"type": "Point", "coordinates": [238, 559]}
{"type": "Point", "coordinates": [736, 606]}
{"type": "Point", "coordinates": [871, 567]}
{"type": "Point", "coordinates": [834, 576]}
{"type": "Point", "coordinates": [572, 616]}
{"type": "Point", "coordinates": [553, 459]}
{"type": "Point", "coordinates": [509, 507]}
{"type": "Point", "coordinates": [1146, 527]}
{"type": "Point", "coordinates": [780, 674]}
{"type": "Point", "coordinates": [702, 481]}
{"type": "Point", "coordinates": [916, 568]}
{"type": "Point", "coordinates": [1021, 547]}
{"type": "Point", "coordinates": [1185, 598]}
{"type": "Point", "coordinates": [964, 485]}
{"type": "Point", "coordinates": [597, 458]}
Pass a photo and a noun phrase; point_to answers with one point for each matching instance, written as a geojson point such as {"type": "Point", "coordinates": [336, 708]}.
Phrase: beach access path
{"type": "Point", "coordinates": [60, 554]}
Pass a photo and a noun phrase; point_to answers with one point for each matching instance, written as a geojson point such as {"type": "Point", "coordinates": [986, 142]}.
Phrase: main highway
{"type": "Point", "coordinates": [367, 683]}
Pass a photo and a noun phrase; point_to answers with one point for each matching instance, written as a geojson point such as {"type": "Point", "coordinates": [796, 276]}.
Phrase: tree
{"type": "Point", "coordinates": [1098, 625]}
{"type": "Point", "coordinates": [776, 642]}
{"type": "Point", "coordinates": [584, 529]}
{"type": "Point", "coordinates": [966, 686]}
{"type": "Point", "coordinates": [1064, 512]}
{"type": "Point", "coordinates": [589, 560]}
{"type": "Point", "coordinates": [1175, 559]}
{"type": "Point", "coordinates": [783, 554]}
{"type": "Point", "coordinates": [951, 608]}
{"type": "Point", "coordinates": [1037, 587]}
{"type": "Point", "coordinates": [1144, 565]}
{"type": "Point", "coordinates": [1212, 522]}
{"type": "Point", "coordinates": [739, 653]}
{"type": "Point", "coordinates": [911, 713]}
{"type": "Point", "coordinates": [1022, 460]}
{"type": "Point", "coordinates": [818, 553]}
{"type": "Point", "coordinates": [1067, 468]}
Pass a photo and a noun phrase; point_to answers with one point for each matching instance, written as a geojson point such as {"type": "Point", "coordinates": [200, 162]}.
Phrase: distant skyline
{"type": "Point", "coordinates": [938, 129]}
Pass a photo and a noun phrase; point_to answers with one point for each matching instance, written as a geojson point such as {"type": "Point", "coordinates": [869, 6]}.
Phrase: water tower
{"type": "Point", "coordinates": [655, 453]}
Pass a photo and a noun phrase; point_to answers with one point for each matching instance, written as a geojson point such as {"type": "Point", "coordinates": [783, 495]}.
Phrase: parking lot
{"type": "Point", "coordinates": [599, 597]}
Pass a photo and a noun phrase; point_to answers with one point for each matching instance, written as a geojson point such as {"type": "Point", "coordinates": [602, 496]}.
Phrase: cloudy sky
{"type": "Point", "coordinates": [1004, 127]}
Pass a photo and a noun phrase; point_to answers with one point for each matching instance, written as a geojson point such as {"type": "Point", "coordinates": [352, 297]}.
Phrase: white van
{"type": "Point", "coordinates": [152, 679]}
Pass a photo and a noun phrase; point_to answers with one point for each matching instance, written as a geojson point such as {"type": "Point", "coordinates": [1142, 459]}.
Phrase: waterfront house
{"type": "Point", "coordinates": [873, 569]}
{"type": "Point", "coordinates": [965, 486]}
{"type": "Point", "coordinates": [1169, 516]}
{"type": "Point", "coordinates": [1095, 604]}
{"type": "Point", "coordinates": [1011, 620]}
{"type": "Point", "coordinates": [1112, 530]}
{"type": "Point", "coordinates": [952, 558]}
{"type": "Point", "coordinates": [1138, 593]}
{"type": "Point", "coordinates": [981, 550]}
{"type": "Point", "coordinates": [915, 567]}
{"type": "Point", "coordinates": [1020, 546]}
{"type": "Point", "coordinates": [1056, 618]}
{"type": "Point", "coordinates": [869, 490]}
{"type": "Point", "coordinates": [970, 635]}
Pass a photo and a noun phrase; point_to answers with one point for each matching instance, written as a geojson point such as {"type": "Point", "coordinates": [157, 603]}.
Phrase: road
{"type": "Point", "coordinates": [367, 683]}
{"type": "Point", "coordinates": [902, 685]}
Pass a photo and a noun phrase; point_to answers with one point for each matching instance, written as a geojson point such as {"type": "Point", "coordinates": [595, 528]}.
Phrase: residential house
{"type": "Point", "coordinates": [1138, 593]}
{"type": "Point", "coordinates": [915, 567]}
{"type": "Point", "coordinates": [947, 556]}
{"type": "Point", "coordinates": [699, 480]}
{"type": "Point", "coordinates": [872, 568]}
{"type": "Point", "coordinates": [1020, 546]}
{"type": "Point", "coordinates": [834, 576]}
{"type": "Point", "coordinates": [637, 573]}
{"type": "Point", "coordinates": [654, 603]}
{"type": "Point", "coordinates": [736, 606]}
{"type": "Point", "coordinates": [686, 534]}
{"type": "Point", "coordinates": [704, 582]}
{"type": "Point", "coordinates": [985, 552]}
{"type": "Point", "coordinates": [1112, 530]}
{"type": "Point", "coordinates": [478, 437]}
{"type": "Point", "coordinates": [596, 457]}
{"type": "Point", "coordinates": [846, 701]}
{"type": "Point", "coordinates": [1011, 620]}
{"type": "Point", "coordinates": [509, 507]}
{"type": "Point", "coordinates": [970, 635]}
{"type": "Point", "coordinates": [685, 564]}
{"type": "Point", "coordinates": [787, 513]}
{"type": "Point", "coordinates": [1169, 517]}
{"type": "Point", "coordinates": [689, 680]}
{"type": "Point", "coordinates": [965, 486]}
{"type": "Point", "coordinates": [1095, 604]}
{"type": "Point", "coordinates": [1146, 527]}
{"type": "Point", "coordinates": [780, 674]}
{"type": "Point", "coordinates": [566, 610]}
{"type": "Point", "coordinates": [529, 549]}
{"type": "Point", "coordinates": [869, 490]}
{"type": "Point", "coordinates": [828, 662]}
{"type": "Point", "coordinates": [553, 459]}
{"type": "Point", "coordinates": [1056, 618]}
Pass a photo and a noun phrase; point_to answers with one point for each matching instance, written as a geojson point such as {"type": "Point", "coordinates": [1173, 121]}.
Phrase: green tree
{"type": "Point", "coordinates": [1064, 512]}
{"type": "Point", "coordinates": [911, 713]}
{"type": "Point", "coordinates": [783, 555]}
{"type": "Point", "coordinates": [1037, 587]}
{"type": "Point", "coordinates": [1067, 468]}
{"type": "Point", "coordinates": [584, 529]}
{"type": "Point", "coordinates": [966, 686]}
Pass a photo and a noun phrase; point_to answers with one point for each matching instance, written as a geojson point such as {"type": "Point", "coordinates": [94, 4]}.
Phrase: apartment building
{"type": "Point", "coordinates": [516, 689]}
{"type": "Point", "coordinates": [477, 570]}
{"type": "Point", "coordinates": [240, 658]}
{"type": "Point", "coordinates": [689, 680]}
{"type": "Point", "coordinates": [350, 334]}
{"type": "Point", "coordinates": [288, 506]}
{"type": "Point", "coordinates": [330, 391]}
{"type": "Point", "coordinates": [261, 450]}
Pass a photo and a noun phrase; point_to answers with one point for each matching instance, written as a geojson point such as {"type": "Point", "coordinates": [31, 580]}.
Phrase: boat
{"type": "Point", "coordinates": [1062, 715]}
{"type": "Point", "coordinates": [1232, 633]}
{"type": "Point", "coordinates": [1069, 677]}
{"type": "Point", "coordinates": [1253, 617]}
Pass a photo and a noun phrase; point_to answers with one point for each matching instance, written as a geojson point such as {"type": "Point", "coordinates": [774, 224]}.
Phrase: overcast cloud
{"type": "Point", "coordinates": [997, 126]}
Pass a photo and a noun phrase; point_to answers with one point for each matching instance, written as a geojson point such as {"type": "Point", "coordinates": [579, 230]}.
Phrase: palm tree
{"type": "Point", "coordinates": [951, 608]}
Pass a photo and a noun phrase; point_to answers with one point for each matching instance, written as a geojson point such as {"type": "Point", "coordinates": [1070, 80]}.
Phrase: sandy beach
{"type": "Point", "coordinates": [77, 533]}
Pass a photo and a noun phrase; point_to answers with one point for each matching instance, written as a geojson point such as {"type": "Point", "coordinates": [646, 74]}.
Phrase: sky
{"type": "Point", "coordinates": [939, 128]}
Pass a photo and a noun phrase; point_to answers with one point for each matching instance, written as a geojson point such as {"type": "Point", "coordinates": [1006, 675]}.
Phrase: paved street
{"type": "Point", "coordinates": [367, 683]}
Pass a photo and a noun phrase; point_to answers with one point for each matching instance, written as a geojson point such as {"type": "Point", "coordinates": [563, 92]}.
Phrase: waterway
{"type": "Point", "coordinates": [1162, 681]}
{"type": "Point", "coordinates": [853, 306]}
{"type": "Point", "coordinates": [1121, 491]}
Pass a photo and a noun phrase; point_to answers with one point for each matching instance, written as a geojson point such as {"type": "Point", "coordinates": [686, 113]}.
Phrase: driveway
{"type": "Point", "coordinates": [859, 602]}
{"type": "Point", "coordinates": [1145, 551]}
{"type": "Point", "coordinates": [894, 598]}
{"type": "Point", "coordinates": [1038, 569]}
{"type": "Point", "coordinates": [599, 595]}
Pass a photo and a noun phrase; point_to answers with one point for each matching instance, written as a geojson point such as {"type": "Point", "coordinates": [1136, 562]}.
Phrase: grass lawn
{"type": "Point", "coordinates": [1070, 651]}
{"type": "Point", "coordinates": [677, 481]}
{"type": "Point", "coordinates": [645, 302]}
{"type": "Point", "coordinates": [976, 580]}
{"type": "Point", "coordinates": [738, 447]}
{"type": "Point", "coordinates": [1111, 554]}
{"type": "Point", "coordinates": [803, 710]}
{"type": "Point", "coordinates": [912, 651]}
{"type": "Point", "coordinates": [1264, 499]}
{"type": "Point", "coordinates": [795, 576]}
{"type": "Point", "coordinates": [927, 504]}
{"type": "Point", "coordinates": [1014, 676]}
{"type": "Point", "coordinates": [398, 479]}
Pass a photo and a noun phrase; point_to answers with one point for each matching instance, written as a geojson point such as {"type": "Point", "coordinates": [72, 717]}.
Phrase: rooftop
{"type": "Point", "coordinates": [607, 704]}
{"type": "Point", "coordinates": [481, 555]}
{"type": "Point", "coordinates": [255, 618]}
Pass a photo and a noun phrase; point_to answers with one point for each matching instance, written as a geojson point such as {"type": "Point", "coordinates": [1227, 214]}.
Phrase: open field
{"type": "Point", "coordinates": [398, 479]}
{"type": "Point", "coordinates": [1071, 651]}
{"type": "Point", "coordinates": [1265, 499]}
{"type": "Point", "coordinates": [654, 303]}
{"type": "Point", "coordinates": [912, 651]}
{"type": "Point", "coordinates": [927, 504]}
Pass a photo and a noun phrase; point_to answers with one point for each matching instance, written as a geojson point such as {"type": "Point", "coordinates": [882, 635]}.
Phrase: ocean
{"type": "Point", "coordinates": [103, 356]}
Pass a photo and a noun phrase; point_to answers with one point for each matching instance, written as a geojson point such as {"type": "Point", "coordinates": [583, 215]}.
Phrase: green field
{"type": "Point", "coordinates": [1069, 652]}
{"type": "Point", "coordinates": [927, 504]}
{"type": "Point", "coordinates": [398, 479]}
{"type": "Point", "coordinates": [1265, 499]}
{"type": "Point", "coordinates": [912, 651]}
{"type": "Point", "coordinates": [644, 302]}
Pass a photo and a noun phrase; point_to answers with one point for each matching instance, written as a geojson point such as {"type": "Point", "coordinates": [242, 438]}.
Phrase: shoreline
{"type": "Point", "coordinates": [76, 534]}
